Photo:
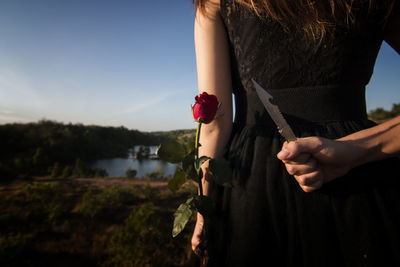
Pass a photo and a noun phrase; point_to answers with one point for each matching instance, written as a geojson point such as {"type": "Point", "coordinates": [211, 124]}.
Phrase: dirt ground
{"type": "Point", "coordinates": [102, 182]}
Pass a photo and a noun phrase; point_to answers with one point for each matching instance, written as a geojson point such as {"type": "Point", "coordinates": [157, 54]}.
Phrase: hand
{"type": "Point", "coordinates": [314, 161]}
{"type": "Point", "coordinates": [198, 235]}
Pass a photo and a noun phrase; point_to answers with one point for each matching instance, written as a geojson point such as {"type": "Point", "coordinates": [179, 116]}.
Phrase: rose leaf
{"type": "Point", "coordinates": [179, 179]}
{"type": "Point", "coordinates": [171, 151]}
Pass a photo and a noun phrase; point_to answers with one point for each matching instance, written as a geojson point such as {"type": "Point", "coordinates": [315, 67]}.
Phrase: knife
{"type": "Point", "coordinates": [276, 115]}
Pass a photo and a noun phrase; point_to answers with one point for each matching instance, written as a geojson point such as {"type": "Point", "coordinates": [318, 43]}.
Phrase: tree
{"type": "Point", "coordinates": [143, 153]}
{"type": "Point", "coordinates": [40, 161]}
{"type": "Point", "coordinates": [395, 110]}
{"type": "Point", "coordinates": [380, 115]}
{"type": "Point", "coordinates": [79, 169]}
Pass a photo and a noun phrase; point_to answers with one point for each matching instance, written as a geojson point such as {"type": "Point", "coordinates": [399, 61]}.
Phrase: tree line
{"type": "Point", "coordinates": [63, 150]}
{"type": "Point", "coordinates": [380, 114]}
{"type": "Point", "coordinates": [49, 147]}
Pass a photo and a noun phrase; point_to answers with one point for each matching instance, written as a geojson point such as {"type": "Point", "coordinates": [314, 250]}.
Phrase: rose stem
{"type": "Point", "coordinates": [196, 156]}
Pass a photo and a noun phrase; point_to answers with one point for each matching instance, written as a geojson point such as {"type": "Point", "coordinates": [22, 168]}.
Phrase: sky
{"type": "Point", "coordinates": [116, 63]}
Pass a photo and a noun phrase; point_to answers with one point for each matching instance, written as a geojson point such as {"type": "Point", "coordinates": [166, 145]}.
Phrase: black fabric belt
{"type": "Point", "coordinates": [305, 104]}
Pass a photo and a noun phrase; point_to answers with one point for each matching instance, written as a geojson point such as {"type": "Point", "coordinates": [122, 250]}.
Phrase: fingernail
{"type": "Point", "coordinates": [283, 153]}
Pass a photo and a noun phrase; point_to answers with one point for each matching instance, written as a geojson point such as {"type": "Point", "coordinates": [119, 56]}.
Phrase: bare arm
{"type": "Point", "coordinates": [314, 161]}
{"type": "Point", "coordinates": [213, 73]}
{"type": "Point", "coordinates": [383, 140]}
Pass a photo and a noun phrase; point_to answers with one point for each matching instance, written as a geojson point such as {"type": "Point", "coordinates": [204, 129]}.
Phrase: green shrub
{"type": "Point", "coordinates": [144, 240]}
{"type": "Point", "coordinates": [149, 192]}
{"type": "Point", "coordinates": [93, 203]}
{"type": "Point", "coordinates": [130, 173]}
{"type": "Point", "coordinates": [99, 172]}
{"type": "Point", "coordinates": [131, 194]}
{"type": "Point", "coordinates": [48, 199]}
{"type": "Point", "coordinates": [56, 170]}
{"type": "Point", "coordinates": [67, 172]}
{"type": "Point", "coordinates": [80, 169]}
{"type": "Point", "coordinates": [134, 190]}
{"type": "Point", "coordinates": [156, 174]}
{"type": "Point", "coordinates": [90, 204]}
{"type": "Point", "coordinates": [139, 242]}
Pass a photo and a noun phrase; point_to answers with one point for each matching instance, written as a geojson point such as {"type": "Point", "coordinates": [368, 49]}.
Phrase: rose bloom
{"type": "Point", "coordinates": [205, 108]}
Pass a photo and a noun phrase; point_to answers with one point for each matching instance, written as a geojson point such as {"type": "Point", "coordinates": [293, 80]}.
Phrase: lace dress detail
{"type": "Point", "coordinates": [286, 59]}
{"type": "Point", "coordinates": [266, 219]}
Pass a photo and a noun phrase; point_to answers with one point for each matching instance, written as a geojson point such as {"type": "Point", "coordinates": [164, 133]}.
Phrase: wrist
{"type": "Point", "coordinates": [207, 182]}
{"type": "Point", "coordinates": [376, 143]}
{"type": "Point", "coordinates": [360, 151]}
{"type": "Point", "coordinates": [200, 218]}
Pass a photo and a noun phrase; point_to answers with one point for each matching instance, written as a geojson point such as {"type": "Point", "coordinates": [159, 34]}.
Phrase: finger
{"type": "Point", "coordinates": [195, 243]}
{"type": "Point", "coordinates": [309, 189]}
{"type": "Point", "coordinates": [196, 237]}
{"type": "Point", "coordinates": [300, 159]}
{"type": "Point", "coordinates": [299, 169]}
{"type": "Point", "coordinates": [309, 179]}
{"type": "Point", "coordinates": [284, 151]}
{"type": "Point", "coordinates": [301, 145]}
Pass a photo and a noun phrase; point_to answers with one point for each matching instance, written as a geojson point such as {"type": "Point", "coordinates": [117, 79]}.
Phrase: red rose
{"type": "Point", "coordinates": [205, 108]}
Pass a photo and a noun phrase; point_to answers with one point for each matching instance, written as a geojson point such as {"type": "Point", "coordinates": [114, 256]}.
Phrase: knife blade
{"type": "Point", "coordinates": [273, 110]}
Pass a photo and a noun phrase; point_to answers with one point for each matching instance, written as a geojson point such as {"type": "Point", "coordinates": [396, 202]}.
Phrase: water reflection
{"type": "Point", "coordinates": [117, 167]}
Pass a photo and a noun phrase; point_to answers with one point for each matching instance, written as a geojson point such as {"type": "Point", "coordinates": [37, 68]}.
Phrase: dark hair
{"type": "Point", "coordinates": [314, 17]}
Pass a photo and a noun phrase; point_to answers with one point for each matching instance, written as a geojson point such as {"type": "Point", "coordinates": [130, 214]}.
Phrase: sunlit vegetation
{"type": "Point", "coordinates": [83, 223]}
{"type": "Point", "coordinates": [380, 115]}
{"type": "Point", "coordinates": [156, 174]}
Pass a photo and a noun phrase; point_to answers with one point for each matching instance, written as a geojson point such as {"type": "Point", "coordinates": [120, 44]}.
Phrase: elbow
{"type": "Point", "coordinates": [218, 127]}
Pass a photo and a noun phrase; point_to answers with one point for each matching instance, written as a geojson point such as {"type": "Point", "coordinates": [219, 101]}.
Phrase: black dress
{"type": "Point", "coordinates": [266, 219]}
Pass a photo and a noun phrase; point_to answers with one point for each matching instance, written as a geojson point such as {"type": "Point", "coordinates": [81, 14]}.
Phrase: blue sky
{"type": "Point", "coordinates": [114, 63]}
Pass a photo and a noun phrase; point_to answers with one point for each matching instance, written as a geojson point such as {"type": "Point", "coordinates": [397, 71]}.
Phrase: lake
{"type": "Point", "coordinates": [116, 167]}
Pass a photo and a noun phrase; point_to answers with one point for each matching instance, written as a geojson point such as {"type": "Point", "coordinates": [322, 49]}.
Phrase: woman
{"type": "Point", "coordinates": [332, 197]}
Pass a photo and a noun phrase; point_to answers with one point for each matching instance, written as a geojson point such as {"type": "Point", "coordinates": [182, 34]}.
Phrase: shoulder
{"type": "Point", "coordinates": [216, 3]}
{"type": "Point", "coordinates": [212, 6]}
{"type": "Point", "coordinates": [208, 11]}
